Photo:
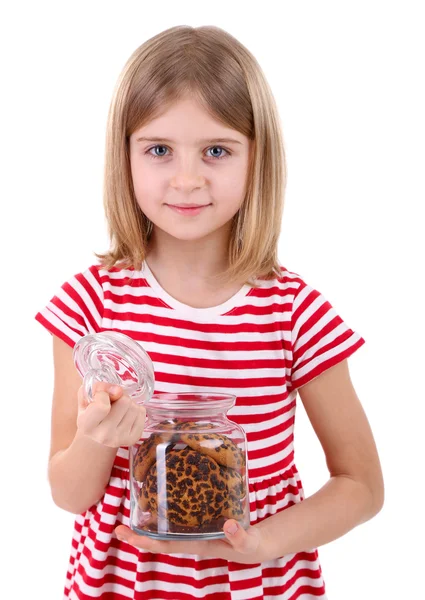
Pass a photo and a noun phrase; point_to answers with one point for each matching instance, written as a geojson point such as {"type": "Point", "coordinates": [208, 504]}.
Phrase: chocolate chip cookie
{"type": "Point", "coordinates": [191, 489]}
{"type": "Point", "coordinates": [146, 453]}
{"type": "Point", "coordinates": [216, 446]}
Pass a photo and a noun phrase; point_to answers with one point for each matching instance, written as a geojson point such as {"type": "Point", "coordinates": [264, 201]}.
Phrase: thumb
{"type": "Point", "coordinates": [243, 541]}
{"type": "Point", "coordinates": [114, 391]}
{"type": "Point", "coordinates": [83, 396]}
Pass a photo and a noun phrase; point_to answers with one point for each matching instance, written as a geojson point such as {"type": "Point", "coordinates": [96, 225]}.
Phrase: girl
{"type": "Point", "coordinates": [194, 187]}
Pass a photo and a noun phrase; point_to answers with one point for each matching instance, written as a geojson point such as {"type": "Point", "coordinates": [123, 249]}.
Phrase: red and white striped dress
{"type": "Point", "coordinates": [261, 345]}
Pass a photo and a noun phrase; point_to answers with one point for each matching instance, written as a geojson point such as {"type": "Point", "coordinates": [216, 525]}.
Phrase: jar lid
{"type": "Point", "coordinates": [115, 358]}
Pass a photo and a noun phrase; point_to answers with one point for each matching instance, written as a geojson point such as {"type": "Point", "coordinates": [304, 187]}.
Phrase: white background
{"type": "Point", "coordinates": [348, 79]}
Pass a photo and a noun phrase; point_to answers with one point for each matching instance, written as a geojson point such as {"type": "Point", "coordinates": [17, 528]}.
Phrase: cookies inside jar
{"type": "Point", "coordinates": [188, 479]}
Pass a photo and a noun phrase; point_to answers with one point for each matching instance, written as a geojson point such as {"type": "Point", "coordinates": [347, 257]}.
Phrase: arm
{"type": "Point", "coordinates": [353, 494]}
{"type": "Point", "coordinates": [79, 468]}
{"type": "Point", "coordinates": [355, 491]}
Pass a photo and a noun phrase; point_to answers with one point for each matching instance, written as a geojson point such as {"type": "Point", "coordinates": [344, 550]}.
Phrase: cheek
{"type": "Point", "coordinates": [232, 187]}
{"type": "Point", "coordinates": [145, 183]}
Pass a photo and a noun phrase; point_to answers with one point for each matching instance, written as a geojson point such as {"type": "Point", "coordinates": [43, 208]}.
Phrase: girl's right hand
{"type": "Point", "coordinates": [112, 418]}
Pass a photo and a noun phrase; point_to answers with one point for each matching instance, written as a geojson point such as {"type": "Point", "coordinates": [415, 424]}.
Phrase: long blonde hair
{"type": "Point", "coordinates": [211, 65]}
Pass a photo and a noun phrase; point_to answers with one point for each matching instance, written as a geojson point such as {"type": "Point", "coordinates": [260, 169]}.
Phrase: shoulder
{"type": "Point", "coordinates": [287, 283]}
{"type": "Point", "coordinates": [290, 279]}
{"type": "Point", "coordinates": [115, 282]}
{"type": "Point", "coordinates": [116, 275]}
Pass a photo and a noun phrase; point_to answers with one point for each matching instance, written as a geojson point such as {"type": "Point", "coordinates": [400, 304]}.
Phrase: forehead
{"type": "Point", "coordinates": [188, 121]}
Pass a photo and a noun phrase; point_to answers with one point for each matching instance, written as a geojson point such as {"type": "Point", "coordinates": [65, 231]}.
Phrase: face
{"type": "Point", "coordinates": [183, 164]}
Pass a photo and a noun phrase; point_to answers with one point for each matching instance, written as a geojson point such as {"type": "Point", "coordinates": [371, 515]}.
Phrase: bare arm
{"type": "Point", "coordinates": [355, 491]}
{"type": "Point", "coordinates": [84, 440]}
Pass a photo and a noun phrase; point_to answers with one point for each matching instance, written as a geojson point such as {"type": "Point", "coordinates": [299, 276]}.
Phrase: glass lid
{"type": "Point", "coordinates": [115, 358]}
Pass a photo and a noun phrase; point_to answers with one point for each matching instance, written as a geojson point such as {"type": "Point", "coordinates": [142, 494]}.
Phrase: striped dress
{"type": "Point", "coordinates": [260, 345]}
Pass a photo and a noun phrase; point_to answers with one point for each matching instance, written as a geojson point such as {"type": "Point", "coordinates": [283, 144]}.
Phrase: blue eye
{"type": "Point", "coordinates": [219, 148]}
{"type": "Point", "coordinates": [155, 148]}
{"type": "Point", "coordinates": [155, 156]}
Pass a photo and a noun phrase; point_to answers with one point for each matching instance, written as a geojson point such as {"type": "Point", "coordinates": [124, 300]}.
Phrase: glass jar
{"type": "Point", "coordinates": [188, 472]}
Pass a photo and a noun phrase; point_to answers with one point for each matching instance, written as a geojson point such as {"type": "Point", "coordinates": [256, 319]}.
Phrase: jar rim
{"type": "Point", "coordinates": [190, 401]}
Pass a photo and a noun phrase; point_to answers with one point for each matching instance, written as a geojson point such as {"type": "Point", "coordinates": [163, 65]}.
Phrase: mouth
{"type": "Point", "coordinates": [188, 209]}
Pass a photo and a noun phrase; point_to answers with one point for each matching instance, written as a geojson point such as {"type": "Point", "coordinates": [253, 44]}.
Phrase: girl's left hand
{"type": "Point", "coordinates": [242, 546]}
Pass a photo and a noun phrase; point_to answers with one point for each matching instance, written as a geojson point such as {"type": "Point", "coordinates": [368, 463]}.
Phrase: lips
{"type": "Point", "coordinates": [188, 209]}
{"type": "Point", "coordinates": [188, 205]}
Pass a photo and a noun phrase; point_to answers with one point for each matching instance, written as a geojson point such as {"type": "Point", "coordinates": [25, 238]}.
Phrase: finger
{"type": "Point", "coordinates": [115, 391]}
{"type": "Point", "coordinates": [82, 399]}
{"type": "Point", "coordinates": [241, 540]}
{"type": "Point", "coordinates": [138, 425]}
{"type": "Point", "coordinates": [125, 534]}
{"type": "Point", "coordinates": [134, 412]}
{"type": "Point", "coordinates": [125, 423]}
{"type": "Point", "coordinates": [96, 412]}
{"type": "Point", "coordinates": [118, 411]}
{"type": "Point", "coordinates": [132, 424]}
{"type": "Point", "coordinates": [144, 542]}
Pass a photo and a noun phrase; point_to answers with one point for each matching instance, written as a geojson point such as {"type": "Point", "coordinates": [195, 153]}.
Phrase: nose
{"type": "Point", "coordinates": [187, 177]}
{"type": "Point", "coordinates": [187, 182]}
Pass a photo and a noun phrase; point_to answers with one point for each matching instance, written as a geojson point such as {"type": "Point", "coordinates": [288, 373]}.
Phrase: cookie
{"type": "Point", "coordinates": [195, 491]}
{"type": "Point", "coordinates": [146, 453]}
{"type": "Point", "coordinates": [192, 425]}
{"type": "Point", "coordinates": [216, 446]}
{"type": "Point", "coordinates": [232, 508]}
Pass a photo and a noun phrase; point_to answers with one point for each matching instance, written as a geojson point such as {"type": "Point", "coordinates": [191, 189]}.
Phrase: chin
{"type": "Point", "coordinates": [189, 237]}
{"type": "Point", "coordinates": [189, 233]}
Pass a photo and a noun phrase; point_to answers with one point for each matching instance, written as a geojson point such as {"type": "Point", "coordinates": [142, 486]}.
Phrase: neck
{"type": "Point", "coordinates": [199, 259]}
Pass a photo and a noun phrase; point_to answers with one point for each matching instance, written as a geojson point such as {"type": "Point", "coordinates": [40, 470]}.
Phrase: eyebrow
{"type": "Point", "coordinates": [204, 141]}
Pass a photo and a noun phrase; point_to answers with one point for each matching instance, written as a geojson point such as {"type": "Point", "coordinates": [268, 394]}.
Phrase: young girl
{"type": "Point", "coordinates": [194, 187]}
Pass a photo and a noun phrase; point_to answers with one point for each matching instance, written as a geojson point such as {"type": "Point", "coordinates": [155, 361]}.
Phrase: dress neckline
{"type": "Point", "coordinates": [211, 311]}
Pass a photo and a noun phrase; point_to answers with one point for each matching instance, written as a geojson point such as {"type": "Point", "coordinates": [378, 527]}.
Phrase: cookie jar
{"type": "Point", "coordinates": [188, 472]}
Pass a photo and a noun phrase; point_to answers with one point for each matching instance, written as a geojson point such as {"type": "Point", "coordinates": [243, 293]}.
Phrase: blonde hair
{"type": "Point", "coordinates": [211, 65]}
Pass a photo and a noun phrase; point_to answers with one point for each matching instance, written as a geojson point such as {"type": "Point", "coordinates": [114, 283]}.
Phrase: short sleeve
{"type": "Point", "coordinates": [320, 338]}
{"type": "Point", "coordinates": [77, 308]}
